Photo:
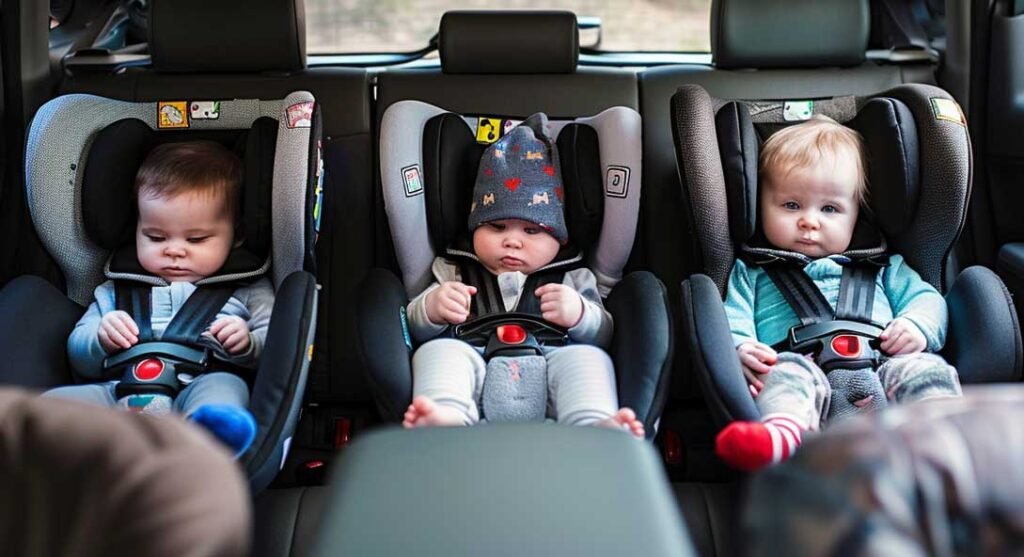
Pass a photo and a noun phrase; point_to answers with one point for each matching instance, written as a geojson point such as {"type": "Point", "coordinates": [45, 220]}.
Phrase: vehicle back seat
{"type": "Point", "coordinates": [202, 50]}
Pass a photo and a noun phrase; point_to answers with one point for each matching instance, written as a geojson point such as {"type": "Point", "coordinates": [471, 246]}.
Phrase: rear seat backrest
{"type": "Point", "coordinates": [225, 49]}
{"type": "Point", "coordinates": [510, 64]}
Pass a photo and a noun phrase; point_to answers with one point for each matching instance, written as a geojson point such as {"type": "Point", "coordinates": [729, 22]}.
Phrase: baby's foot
{"type": "Point", "coordinates": [624, 419]}
{"type": "Point", "coordinates": [424, 412]}
{"type": "Point", "coordinates": [233, 425]}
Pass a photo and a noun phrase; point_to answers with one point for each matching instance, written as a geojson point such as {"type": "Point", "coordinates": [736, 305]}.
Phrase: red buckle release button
{"type": "Point", "coordinates": [846, 346]}
{"type": "Point", "coordinates": [148, 370]}
{"type": "Point", "coordinates": [511, 334]}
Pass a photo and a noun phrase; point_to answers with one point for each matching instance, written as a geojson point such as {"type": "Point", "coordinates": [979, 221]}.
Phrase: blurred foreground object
{"type": "Point", "coordinates": [86, 481]}
{"type": "Point", "coordinates": [940, 477]}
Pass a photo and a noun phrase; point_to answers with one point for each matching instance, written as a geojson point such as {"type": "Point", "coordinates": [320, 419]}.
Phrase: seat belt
{"type": "Point", "coordinates": [188, 324]}
{"type": "Point", "coordinates": [488, 299]}
{"type": "Point", "coordinates": [856, 293]}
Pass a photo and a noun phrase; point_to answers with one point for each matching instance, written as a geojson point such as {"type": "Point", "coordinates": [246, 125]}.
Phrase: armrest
{"type": "Point", "coordinates": [281, 377]}
{"type": "Point", "coordinates": [508, 489]}
{"type": "Point", "coordinates": [984, 341]}
{"type": "Point", "coordinates": [37, 320]}
{"type": "Point", "coordinates": [384, 341]}
{"type": "Point", "coordinates": [706, 330]}
{"type": "Point", "coordinates": [641, 345]}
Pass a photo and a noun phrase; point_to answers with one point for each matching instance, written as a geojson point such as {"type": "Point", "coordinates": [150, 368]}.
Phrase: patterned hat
{"type": "Point", "coordinates": [520, 178]}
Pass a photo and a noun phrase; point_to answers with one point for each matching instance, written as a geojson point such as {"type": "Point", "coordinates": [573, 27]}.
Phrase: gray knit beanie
{"type": "Point", "coordinates": [520, 178]}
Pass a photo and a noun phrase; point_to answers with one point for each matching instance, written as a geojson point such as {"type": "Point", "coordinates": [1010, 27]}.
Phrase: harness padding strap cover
{"type": "Point", "coordinates": [55, 155]}
{"type": "Point", "coordinates": [515, 389]}
{"type": "Point", "coordinates": [401, 165]}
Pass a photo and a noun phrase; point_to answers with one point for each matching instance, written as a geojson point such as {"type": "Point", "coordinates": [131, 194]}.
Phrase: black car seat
{"type": "Point", "coordinates": [256, 50]}
{"type": "Point", "coordinates": [82, 155]}
{"type": "Point", "coordinates": [919, 178]}
{"type": "Point", "coordinates": [786, 50]}
{"type": "Point", "coordinates": [429, 153]}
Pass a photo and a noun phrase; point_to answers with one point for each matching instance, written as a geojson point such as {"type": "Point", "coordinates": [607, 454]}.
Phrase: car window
{"type": "Point", "coordinates": [366, 26]}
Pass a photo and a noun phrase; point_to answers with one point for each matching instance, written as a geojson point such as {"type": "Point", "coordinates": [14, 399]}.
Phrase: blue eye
{"type": "Point", "coordinates": [791, 205]}
{"type": "Point", "coordinates": [830, 209]}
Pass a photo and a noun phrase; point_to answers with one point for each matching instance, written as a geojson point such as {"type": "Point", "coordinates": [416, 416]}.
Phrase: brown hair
{"type": "Point", "coordinates": [806, 144]}
{"type": "Point", "coordinates": [208, 167]}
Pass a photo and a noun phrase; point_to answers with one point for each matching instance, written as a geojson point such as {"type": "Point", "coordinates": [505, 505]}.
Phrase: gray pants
{"type": "Point", "coordinates": [796, 386]}
{"type": "Point", "coordinates": [581, 380]}
{"type": "Point", "coordinates": [209, 388]}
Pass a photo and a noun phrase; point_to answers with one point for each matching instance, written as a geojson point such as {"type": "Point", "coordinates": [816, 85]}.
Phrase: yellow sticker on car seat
{"type": "Point", "coordinates": [172, 114]}
{"type": "Point", "coordinates": [488, 130]}
{"type": "Point", "coordinates": [947, 109]}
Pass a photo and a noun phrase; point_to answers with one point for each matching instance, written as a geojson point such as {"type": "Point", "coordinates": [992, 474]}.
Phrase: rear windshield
{"type": "Point", "coordinates": [367, 26]}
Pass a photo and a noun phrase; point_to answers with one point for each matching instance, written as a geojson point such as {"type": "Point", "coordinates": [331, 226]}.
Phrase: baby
{"type": "Point", "coordinates": [812, 186]}
{"type": "Point", "coordinates": [188, 197]}
{"type": "Point", "coordinates": [518, 229]}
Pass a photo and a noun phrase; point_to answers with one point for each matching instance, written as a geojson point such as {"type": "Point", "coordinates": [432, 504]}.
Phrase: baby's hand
{"type": "Point", "coordinates": [756, 358]}
{"type": "Point", "coordinates": [232, 333]}
{"type": "Point", "coordinates": [117, 331]}
{"type": "Point", "coordinates": [902, 337]}
{"type": "Point", "coordinates": [560, 304]}
{"type": "Point", "coordinates": [449, 303]}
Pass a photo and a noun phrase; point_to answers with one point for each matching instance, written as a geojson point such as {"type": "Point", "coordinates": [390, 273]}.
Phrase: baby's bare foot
{"type": "Point", "coordinates": [624, 419]}
{"type": "Point", "coordinates": [424, 412]}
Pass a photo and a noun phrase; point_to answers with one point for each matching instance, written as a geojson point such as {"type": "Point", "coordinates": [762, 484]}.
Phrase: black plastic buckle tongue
{"type": "Point", "coordinates": [511, 340]}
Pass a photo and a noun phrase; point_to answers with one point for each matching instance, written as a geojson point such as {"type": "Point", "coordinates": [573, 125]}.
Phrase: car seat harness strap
{"type": "Point", "coordinates": [155, 366]}
{"type": "Point", "coordinates": [843, 338]}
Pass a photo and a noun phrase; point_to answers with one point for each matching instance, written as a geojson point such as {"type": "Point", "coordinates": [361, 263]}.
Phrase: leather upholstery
{"type": "Point", "coordinates": [789, 33]}
{"type": "Point", "coordinates": [227, 35]}
{"type": "Point", "coordinates": [509, 42]}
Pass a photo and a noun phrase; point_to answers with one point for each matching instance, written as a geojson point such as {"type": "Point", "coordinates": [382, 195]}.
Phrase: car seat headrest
{"type": "Point", "coordinates": [450, 161]}
{"type": "Point", "coordinates": [789, 33]}
{"type": "Point", "coordinates": [227, 36]}
{"type": "Point", "coordinates": [117, 152]}
{"type": "Point", "coordinates": [82, 153]}
{"type": "Point", "coordinates": [508, 42]}
{"type": "Point", "coordinates": [429, 159]}
{"type": "Point", "coordinates": [891, 149]}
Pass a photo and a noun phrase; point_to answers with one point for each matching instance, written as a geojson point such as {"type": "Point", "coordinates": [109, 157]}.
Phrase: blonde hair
{"type": "Point", "coordinates": [807, 144]}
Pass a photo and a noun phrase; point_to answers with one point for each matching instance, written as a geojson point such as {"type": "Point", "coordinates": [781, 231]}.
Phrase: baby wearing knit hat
{"type": "Point", "coordinates": [517, 222]}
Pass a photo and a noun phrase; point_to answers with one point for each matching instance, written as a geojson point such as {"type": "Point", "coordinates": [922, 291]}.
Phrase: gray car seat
{"type": "Point", "coordinates": [83, 152]}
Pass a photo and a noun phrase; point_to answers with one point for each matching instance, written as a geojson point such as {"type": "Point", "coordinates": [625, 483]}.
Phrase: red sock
{"type": "Point", "coordinates": [750, 446]}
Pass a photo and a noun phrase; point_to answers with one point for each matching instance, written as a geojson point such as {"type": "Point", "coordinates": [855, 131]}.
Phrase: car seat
{"type": "Point", "coordinates": [429, 160]}
{"type": "Point", "coordinates": [919, 178]}
{"type": "Point", "coordinates": [82, 156]}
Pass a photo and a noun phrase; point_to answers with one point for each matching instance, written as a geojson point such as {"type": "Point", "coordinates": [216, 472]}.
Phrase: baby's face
{"type": "Point", "coordinates": [811, 210]}
{"type": "Point", "coordinates": [513, 245]}
{"type": "Point", "coordinates": [183, 238]}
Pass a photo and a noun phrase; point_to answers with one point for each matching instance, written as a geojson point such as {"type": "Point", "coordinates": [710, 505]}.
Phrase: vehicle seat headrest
{"type": "Point", "coordinates": [892, 153]}
{"type": "Point", "coordinates": [508, 42]}
{"type": "Point", "coordinates": [227, 36]}
{"type": "Point", "coordinates": [789, 33]}
{"type": "Point", "coordinates": [108, 206]}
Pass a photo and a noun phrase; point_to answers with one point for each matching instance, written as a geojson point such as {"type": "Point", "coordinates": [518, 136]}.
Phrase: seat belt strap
{"type": "Point", "coordinates": [487, 299]}
{"type": "Point", "coordinates": [196, 314]}
{"type": "Point", "coordinates": [857, 293]}
{"type": "Point", "coordinates": [800, 293]}
{"type": "Point", "coordinates": [135, 300]}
